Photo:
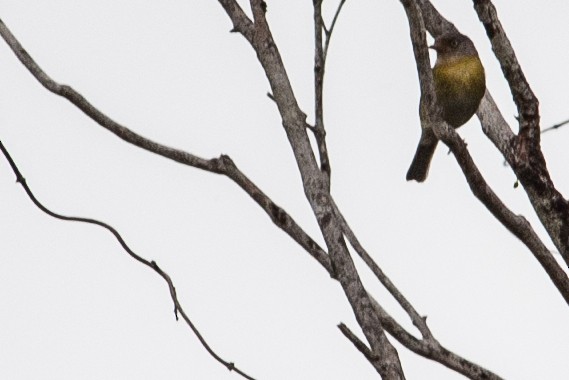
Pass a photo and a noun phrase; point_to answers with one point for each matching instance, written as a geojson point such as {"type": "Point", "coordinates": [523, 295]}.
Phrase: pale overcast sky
{"type": "Point", "coordinates": [76, 306]}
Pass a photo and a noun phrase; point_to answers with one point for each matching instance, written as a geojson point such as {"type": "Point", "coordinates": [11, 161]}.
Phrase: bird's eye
{"type": "Point", "coordinates": [454, 44]}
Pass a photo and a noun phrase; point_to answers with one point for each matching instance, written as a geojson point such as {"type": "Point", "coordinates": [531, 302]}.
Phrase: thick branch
{"type": "Point", "coordinates": [516, 224]}
{"type": "Point", "coordinates": [524, 98]}
{"type": "Point", "coordinates": [526, 157]}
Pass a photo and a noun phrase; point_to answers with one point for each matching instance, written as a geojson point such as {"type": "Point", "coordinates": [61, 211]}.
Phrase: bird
{"type": "Point", "coordinates": [460, 84]}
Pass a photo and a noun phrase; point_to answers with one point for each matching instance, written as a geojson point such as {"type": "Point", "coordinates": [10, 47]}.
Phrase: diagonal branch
{"type": "Point", "coordinates": [516, 224]}
{"type": "Point", "coordinates": [178, 309]}
{"type": "Point", "coordinates": [360, 346]}
{"type": "Point", "coordinates": [525, 158]}
{"type": "Point", "coordinates": [222, 165]}
{"type": "Point", "coordinates": [416, 318]}
{"type": "Point", "coordinates": [432, 349]}
{"type": "Point", "coordinates": [330, 30]}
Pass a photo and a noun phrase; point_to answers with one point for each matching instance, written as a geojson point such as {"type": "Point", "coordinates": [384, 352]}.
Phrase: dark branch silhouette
{"type": "Point", "coordinates": [178, 309]}
{"type": "Point", "coordinates": [555, 126]}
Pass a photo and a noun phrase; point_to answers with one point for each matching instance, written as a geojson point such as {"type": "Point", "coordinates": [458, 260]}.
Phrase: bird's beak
{"type": "Point", "coordinates": [436, 46]}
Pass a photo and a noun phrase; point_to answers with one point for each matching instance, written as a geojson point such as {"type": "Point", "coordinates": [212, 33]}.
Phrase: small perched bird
{"type": "Point", "coordinates": [460, 83]}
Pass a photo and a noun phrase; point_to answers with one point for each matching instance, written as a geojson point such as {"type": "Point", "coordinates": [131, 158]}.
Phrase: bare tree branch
{"type": "Point", "coordinates": [360, 346]}
{"type": "Point", "coordinates": [178, 309]}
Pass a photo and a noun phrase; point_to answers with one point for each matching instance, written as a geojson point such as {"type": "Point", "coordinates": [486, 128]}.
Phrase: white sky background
{"type": "Point", "coordinates": [75, 306]}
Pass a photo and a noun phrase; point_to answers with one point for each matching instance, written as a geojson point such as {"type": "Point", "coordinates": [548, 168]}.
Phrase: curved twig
{"type": "Point", "coordinates": [178, 309]}
{"type": "Point", "coordinates": [332, 26]}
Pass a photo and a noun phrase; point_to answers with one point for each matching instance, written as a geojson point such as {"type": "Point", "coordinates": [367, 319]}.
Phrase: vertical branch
{"type": "Point", "coordinates": [419, 41]}
{"type": "Point", "coordinates": [319, 67]}
{"type": "Point", "coordinates": [321, 46]}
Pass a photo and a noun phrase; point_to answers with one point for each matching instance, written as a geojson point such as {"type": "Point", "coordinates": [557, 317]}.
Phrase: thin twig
{"type": "Point", "coordinates": [416, 318]}
{"type": "Point", "coordinates": [360, 346]}
{"type": "Point", "coordinates": [331, 30]}
{"type": "Point", "coordinates": [555, 126]}
{"type": "Point", "coordinates": [320, 55]}
{"type": "Point", "coordinates": [151, 264]}
{"type": "Point", "coordinates": [319, 69]}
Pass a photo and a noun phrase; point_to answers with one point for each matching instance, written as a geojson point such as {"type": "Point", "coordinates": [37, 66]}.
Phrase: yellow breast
{"type": "Point", "coordinates": [460, 85]}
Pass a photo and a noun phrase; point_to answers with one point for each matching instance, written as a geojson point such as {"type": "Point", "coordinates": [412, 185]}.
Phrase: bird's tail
{"type": "Point", "coordinates": [420, 166]}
